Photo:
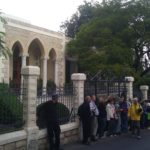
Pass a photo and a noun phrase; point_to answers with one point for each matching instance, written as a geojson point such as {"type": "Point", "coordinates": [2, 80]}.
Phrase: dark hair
{"type": "Point", "coordinates": [54, 96]}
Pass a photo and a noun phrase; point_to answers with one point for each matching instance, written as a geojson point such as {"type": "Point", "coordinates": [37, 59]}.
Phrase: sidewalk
{"type": "Point", "coordinates": [123, 142]}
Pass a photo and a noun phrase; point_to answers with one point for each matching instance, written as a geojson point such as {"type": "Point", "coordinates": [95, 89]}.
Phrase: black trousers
{"type": "Point", "coordinates": [101, 126]}
{"type": "Point", "coordinates": [53, 131]}
{"type": "Point", "coordinates": [86, 126]}
{"type": "Point", "coordinates": [135, 127]}
{"type": "Point", "coordinates": [111, 127]}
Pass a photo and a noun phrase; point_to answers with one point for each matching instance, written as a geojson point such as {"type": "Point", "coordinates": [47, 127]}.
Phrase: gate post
{"type": "Point", "coordinates": [78, 82]}
{"type": "Point", "coordinates": [144, 89]}
{"type": "Point", "coordinates": [129, 86]}
{"type": "Point", "coordinates": [30, 75]}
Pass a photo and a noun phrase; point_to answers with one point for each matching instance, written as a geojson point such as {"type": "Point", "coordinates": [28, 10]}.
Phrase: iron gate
{"type": "Point", "coordinates": [104, 84]}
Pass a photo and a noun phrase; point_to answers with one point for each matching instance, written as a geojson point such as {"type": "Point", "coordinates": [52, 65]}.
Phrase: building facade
{"type": "Point", "coordinates": [35, 46]}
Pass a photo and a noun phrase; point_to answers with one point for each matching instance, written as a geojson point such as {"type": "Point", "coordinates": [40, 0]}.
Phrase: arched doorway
{"type": "Point", "coordinates": [51, 65]}
{"type": "Point", "coordinates": [16, 62]}
{"type": "Point", "coordinates": [35, 52]}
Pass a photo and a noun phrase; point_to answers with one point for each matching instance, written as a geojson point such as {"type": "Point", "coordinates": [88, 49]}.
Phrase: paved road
{"type": "Point", "coordinates": [124, 142]}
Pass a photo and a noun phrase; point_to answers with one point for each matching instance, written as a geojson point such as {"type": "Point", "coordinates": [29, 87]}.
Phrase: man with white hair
{"type": "Point", "coordinates": [134, 113]}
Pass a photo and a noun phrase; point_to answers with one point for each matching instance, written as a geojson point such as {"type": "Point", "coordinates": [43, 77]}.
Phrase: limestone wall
{"type": "Point", "coordinates": [25, 33]}
{"type": "Point", "coordinates": [18, 140]}
{"type": "Point", "coordinates": [3, 63]}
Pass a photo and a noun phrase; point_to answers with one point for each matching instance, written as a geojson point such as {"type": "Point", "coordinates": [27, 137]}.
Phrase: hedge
{"type": "Point", "coordinates": [63, 114]}
{"type": "Point", "coordinates": [11, 109]}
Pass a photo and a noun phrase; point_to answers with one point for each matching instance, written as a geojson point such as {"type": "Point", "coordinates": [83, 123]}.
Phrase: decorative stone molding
{"type": "Point", "coordinates": [78, 77]}
{"type": "Point", "coordinates": [144, 89]}
{"type": "Point", "coordinates": [129, 85]}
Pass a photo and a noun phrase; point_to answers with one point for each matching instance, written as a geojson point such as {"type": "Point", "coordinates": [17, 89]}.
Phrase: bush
{"type": "Point", "coordinates": [51, 87]}
{"type": "Point", "coordinates": [63, 114]}
{"type": "Point", "coordinates": [11, 109]}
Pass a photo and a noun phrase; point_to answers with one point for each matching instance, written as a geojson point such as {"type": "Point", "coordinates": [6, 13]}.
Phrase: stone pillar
{"type": "Point", "coordinates": [78, 82]}
{"type": "Point", "coordinates": [129, 85]}
{"type": "Point", "coordinates": [56, 72]}
{"type": "Point", "coordinates": [30, 75]}
{"type": "Point", "coordinates": [24, 57]}
{"type": "Point", "coordinates": [24, 61]}
{"type": "Point", "coordinates": [144, 89]}
{"type": "Point", "coordinates": [44, 74]}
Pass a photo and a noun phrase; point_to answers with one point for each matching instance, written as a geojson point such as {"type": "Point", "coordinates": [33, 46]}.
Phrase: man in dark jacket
{"type": "Point", "coordinates": [85, 117]}
{"type": "Point", "coordinates": [52, 123]}
{"type": "Point", "coordinates": [124, 114]}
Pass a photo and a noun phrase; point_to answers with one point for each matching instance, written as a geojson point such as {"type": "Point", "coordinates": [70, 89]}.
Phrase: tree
{"type": "Point", "coordinates": [83, 15]}
{"type": "Point", "coordinates": [4, 51]}
{"type": "Point", "coordinates": [119, 31]}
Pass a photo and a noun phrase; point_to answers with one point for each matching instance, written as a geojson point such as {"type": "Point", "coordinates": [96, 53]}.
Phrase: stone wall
{"type": "Point", "coordinates": [3, 62]}
{"type": "Point", "coordinates": [18, 140]}
{"type": "Point", "coordinates": [19, 145]}
{"type": "Point", "coordinates": [69, 136]}
{"type": "Point", "coordinates": [25, 33]}
{"type": "Point", "coordinates": [4, 76]}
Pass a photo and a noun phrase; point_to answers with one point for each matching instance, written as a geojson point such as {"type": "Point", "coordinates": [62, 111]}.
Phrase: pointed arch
{"type": "Point", "coordinates": [15, 63]}
{"type": "Point", "coordinates": [38, 43]}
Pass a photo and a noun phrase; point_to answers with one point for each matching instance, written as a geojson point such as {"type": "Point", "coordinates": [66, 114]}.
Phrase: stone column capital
{"type": "Point", "coordinates": [129, 79]}
{"type": "Point", "coordinates": [44, 58]}
{"type": "Point", "coordinates": [24, 55]}
{"type": "Point", "coordinates": [144, 87]}
{"type": "Point", "coordinates": [78, 77]}
{"type": "Point", "coordinates": [30, 70]}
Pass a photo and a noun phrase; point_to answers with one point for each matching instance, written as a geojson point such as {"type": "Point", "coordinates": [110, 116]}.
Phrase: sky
{"type": "Point", "coordinates": [44, 13]}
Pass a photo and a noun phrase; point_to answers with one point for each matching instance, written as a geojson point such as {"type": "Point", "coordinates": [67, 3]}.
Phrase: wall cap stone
{"type": "Point", "coordinates": [78, 76]}
{"type": "Point", "coordinates": [129, 79]}
{"type": "Point", "coordinates": [144, 87]}
{"type": "Point", "coordinates": [30, 70]}
{"type": "Point", "coordinates": [64, 128]}
{"type": "Point", "coordinates": [12, 137]}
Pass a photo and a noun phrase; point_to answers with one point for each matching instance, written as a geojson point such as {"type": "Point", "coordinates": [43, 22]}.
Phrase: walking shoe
{"type": "Point", "coordinates": [93, 139]}
{"type": "Point", "coordinates": [139, 137]}
{"type": "Point", "coordinates": [86, 143]}
{"type": "Point", "coordinates": [133, 136]}
{"type": "Point", "coordinates": [102, 137]}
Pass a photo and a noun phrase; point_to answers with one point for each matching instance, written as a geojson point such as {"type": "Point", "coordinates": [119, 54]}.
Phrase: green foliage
{"type": "Point", "coordinates": [119, 31]}
{"type": "Point", "coordinates": [11, 109]}
{"type": "Point", "coordinates": [83, 15]}
{"type": "Point", "coordinates": [63, 114]}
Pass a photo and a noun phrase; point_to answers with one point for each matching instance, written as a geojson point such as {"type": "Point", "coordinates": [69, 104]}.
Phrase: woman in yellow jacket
{"type": "Point", "coordinates": [134, 114]}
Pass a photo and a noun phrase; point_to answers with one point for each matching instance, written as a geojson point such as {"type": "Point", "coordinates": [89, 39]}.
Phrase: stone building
{"type": "Point", "coordinates": [36, 46]}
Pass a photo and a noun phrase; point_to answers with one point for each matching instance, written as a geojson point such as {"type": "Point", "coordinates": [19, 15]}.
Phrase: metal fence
{"type": "Point", "coordinates": [11, 108]}
{"type": "Point", "coordinates": [105, 83]}
{"type": "Point", "coordinates": [105, 87]}
{"type": "Point", "coordinates": [66, 102]}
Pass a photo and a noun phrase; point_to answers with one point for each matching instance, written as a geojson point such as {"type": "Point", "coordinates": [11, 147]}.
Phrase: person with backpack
{"type": "Point", "coordinates": [124, 114]}
{"type": "Point", "coordinates": [85, 117]}
{"type": "Point", "coordinates": [134, 113]}
{"type": "Point", "coordinates": [52, 123]}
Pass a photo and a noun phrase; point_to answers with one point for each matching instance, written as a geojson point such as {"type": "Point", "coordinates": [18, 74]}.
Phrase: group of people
{"type": "Point", "coordinates": [105, 116]}
{"type": "Point", "coordinates": [111, 116]}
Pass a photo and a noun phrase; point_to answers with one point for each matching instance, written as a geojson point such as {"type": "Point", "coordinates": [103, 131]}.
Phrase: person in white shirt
{"type": "Point", "coordinates": [94, 121]}
{"type": "Point", "coordinates": [111, 116]}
